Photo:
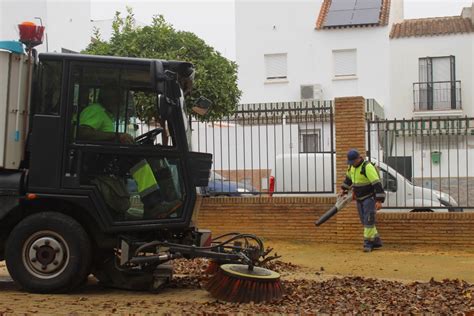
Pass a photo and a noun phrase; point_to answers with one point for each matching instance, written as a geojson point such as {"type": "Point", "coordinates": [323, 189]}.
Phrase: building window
{"type": "Point", "coordinates": [310, 141]}
{"type": "Point", "coordinates": [276, 66]}
{"type": "Point", "coordinates": [437, 88]}
{"type": "Point", "coordinates": [345, 62]}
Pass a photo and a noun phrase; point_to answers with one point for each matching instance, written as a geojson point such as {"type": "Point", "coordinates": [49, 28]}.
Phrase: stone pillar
{"type": "Point", "coordinates": [350, 125]}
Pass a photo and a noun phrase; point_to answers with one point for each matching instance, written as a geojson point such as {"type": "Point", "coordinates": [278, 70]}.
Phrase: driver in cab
{"type": "Point", "coordinates": [96, 122]}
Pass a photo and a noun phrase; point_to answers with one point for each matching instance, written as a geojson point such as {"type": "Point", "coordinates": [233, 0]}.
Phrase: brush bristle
{"type": "Point", "coordinates": [243, 290]}
{"type": "Point", "coordinates": [212, 268]}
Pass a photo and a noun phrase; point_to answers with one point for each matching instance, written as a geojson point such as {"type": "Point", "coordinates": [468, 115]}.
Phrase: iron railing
{"type": "Point", "coordinates": [427, 163]}
{"type": "Point", "coordinates": [437, 96]}
{"type": "Point", "coordinates": [290, 142]}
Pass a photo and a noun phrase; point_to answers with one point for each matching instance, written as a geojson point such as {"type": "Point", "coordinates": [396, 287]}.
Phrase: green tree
{"type": "Point", "coordinates": [215, 78]}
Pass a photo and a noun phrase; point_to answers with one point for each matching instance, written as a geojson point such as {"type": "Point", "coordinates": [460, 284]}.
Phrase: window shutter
{"type": "Point", "coordinates": [441, 69]}
{"type": "Point", "coordinates": [275, 66]}
{"type": "Point", "coordinates": [345, 62]}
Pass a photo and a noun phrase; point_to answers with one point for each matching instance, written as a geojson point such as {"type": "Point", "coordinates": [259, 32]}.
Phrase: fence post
{"type": "Point", "coordinates": [349, 119]}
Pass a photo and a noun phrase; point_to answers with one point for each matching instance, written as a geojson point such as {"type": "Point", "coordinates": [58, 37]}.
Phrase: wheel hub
{"type": "Point", "coordinates": [45, 255]}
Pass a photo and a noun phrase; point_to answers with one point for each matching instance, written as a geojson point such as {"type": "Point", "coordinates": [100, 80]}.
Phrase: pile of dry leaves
{"type": "Point", "coordinates": [356, 295]}
{"type": "Point", "coordinates": [339, 295]}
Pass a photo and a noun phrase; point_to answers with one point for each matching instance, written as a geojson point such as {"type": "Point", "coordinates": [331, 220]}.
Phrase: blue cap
{"type": "Point", "coordinates": [352, 156]}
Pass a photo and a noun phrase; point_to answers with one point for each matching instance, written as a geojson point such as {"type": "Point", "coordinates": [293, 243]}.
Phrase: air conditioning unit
{"type": "Point", "coordinates": [311, 92]}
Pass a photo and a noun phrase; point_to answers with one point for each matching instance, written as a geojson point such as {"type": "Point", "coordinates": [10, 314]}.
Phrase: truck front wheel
{"type": "Point", "coordinates": [48, 252]}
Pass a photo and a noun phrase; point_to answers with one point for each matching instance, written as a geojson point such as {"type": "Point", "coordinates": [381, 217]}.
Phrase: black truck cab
{"type": "Point", "coordinates": [63, 165]}
{"type": "Point", "coordinates": [80, 167]}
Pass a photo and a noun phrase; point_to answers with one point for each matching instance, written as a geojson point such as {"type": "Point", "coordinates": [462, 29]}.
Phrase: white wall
{"type": "Point", "coordinates": [456, 159]}
{"type": "Point", "coordinates": [237, 147]}
{"type": "Point", "coordinates": [405, 53]}
{"type": "Point", "coordinates": [67, 23]}
{"type": "Point", "coordinates": [472, 62]}
{"type": "Point", "coordinates": [264, 27]}
{"type": "Point", "coordinates": [397, 11]}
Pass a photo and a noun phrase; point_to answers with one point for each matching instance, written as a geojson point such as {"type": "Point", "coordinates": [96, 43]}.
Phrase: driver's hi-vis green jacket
{"type": "Point", "coordinates": [97, 117]}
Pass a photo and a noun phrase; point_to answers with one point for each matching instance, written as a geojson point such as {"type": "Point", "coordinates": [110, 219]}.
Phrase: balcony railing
{"type": "Point", "coordinates": [437, 95]}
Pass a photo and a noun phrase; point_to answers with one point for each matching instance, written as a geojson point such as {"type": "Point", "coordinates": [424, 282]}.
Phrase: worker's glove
{"type": "Point", "coordinates": [378, 205]}
{"type": "Point", "coordinates": [343, 192]}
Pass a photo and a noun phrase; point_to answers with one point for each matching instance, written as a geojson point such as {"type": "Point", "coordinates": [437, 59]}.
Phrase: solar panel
{"type": "Point", "coordinates": [367, 16]}
{"type": "Point", "coordinates": [368, 4]}
{"type": "Point", "coordinates": [353, 12]}
{"type": "Point", "coordinates": [339, 18]}
{"type": "Point", "coordinates": [342, 5]}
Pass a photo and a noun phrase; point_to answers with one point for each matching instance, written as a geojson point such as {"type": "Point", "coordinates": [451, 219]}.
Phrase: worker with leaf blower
{"type": "Point", "coordinates": [363, 177]}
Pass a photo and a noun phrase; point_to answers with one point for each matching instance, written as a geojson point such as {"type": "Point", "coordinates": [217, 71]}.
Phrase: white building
{"type": "Point", "coordinates": [432, 67]}
{"type": "Point", "coordinates": [432, 83]}
{"type": "Point", "coordinates": [67, 22]}
{"type": "Point", "coordinates": [283, 47]}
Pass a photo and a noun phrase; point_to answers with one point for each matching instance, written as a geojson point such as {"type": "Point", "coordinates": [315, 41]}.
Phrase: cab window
{"type": "Point", "coordinates": [115, 105]}
{"type": "Point", "coordinates": [49, 87]}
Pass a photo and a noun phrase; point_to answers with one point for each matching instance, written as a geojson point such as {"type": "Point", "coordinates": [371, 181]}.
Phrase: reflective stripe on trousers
{"type": "Point", "coordinates": [366, 210]}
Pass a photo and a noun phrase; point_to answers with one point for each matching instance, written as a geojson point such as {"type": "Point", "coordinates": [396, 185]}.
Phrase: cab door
{"type": "Point", "coordinates": [119, 158]}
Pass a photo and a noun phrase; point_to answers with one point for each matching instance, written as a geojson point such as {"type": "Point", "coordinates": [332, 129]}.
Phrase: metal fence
{"type": "Point", "coordinates": [285, 147]}
{"type": "Point", "coordinates": [438, 95]}
{"type": "Point", "coordinates": [425, 164]}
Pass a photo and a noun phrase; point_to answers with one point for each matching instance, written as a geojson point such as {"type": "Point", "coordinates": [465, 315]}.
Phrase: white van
{"type": "Point", "coordinates": [312, 172]}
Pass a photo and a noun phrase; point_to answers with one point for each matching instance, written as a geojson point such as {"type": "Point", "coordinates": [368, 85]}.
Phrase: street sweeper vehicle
{"type": "Point", "coordinates": [84, 190]}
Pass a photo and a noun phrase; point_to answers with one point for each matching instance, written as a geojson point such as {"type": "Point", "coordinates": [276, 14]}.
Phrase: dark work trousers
{"type": "Point", "coordinates": [367, 211]}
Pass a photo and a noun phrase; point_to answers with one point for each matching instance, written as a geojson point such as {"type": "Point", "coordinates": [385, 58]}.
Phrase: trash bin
{"type": "Point", "coordinates": [435, 157]}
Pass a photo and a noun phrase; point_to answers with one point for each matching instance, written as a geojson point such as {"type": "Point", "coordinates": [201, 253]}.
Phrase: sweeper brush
{"type": "Point", "coordinates": [240, 283]}
{"type": "Point", "coordinates": [212, 267]}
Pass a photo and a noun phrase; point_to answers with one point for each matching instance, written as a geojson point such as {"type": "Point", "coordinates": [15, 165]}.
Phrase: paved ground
{"type": "Point", "coordinates": [318, 263]}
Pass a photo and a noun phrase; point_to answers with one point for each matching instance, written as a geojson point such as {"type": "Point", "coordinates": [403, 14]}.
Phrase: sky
{"type": "Point", "coordinates": [213, 20]}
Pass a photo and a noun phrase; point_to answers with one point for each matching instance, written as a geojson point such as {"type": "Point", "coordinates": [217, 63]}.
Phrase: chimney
{"type": "Point", "coordinates": [467, 12]}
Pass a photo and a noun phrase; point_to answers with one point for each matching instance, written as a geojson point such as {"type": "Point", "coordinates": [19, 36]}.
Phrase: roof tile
{"type": "Point", "coordinates": [432, 27]}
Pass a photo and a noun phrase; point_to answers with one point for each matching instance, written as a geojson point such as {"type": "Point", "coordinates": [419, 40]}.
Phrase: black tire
{"type": "Point", "coordinates": [58, 244]}
{"type": "Point", "coordinates": [422, 211]}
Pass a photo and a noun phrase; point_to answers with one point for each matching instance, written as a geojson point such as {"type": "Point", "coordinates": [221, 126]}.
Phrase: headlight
{"type": "Point", "coordinates": [242, 190]}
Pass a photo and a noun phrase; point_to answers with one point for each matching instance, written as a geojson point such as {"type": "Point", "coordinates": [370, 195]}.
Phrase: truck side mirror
{"type": "Point", "coordinates": [391, 185]}
{"type": "Point", "coordinates": [202, 106]}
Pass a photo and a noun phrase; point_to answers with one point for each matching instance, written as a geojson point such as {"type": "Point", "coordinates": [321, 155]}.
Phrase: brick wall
{"type": "Point", "coordinates": [427, 228]}
{"type": "Point", "coordinates": [349, 121]}
{"type": "Point", "coordinates": [277, 217]}
{"type": "Point", "coordinates": [293, 217]}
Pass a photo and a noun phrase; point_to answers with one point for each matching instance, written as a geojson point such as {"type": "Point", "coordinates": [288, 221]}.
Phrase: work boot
{"type": "Point", "coordinates": [368, 246]}
{"type": "Point", "coordinates": [377, 243]}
